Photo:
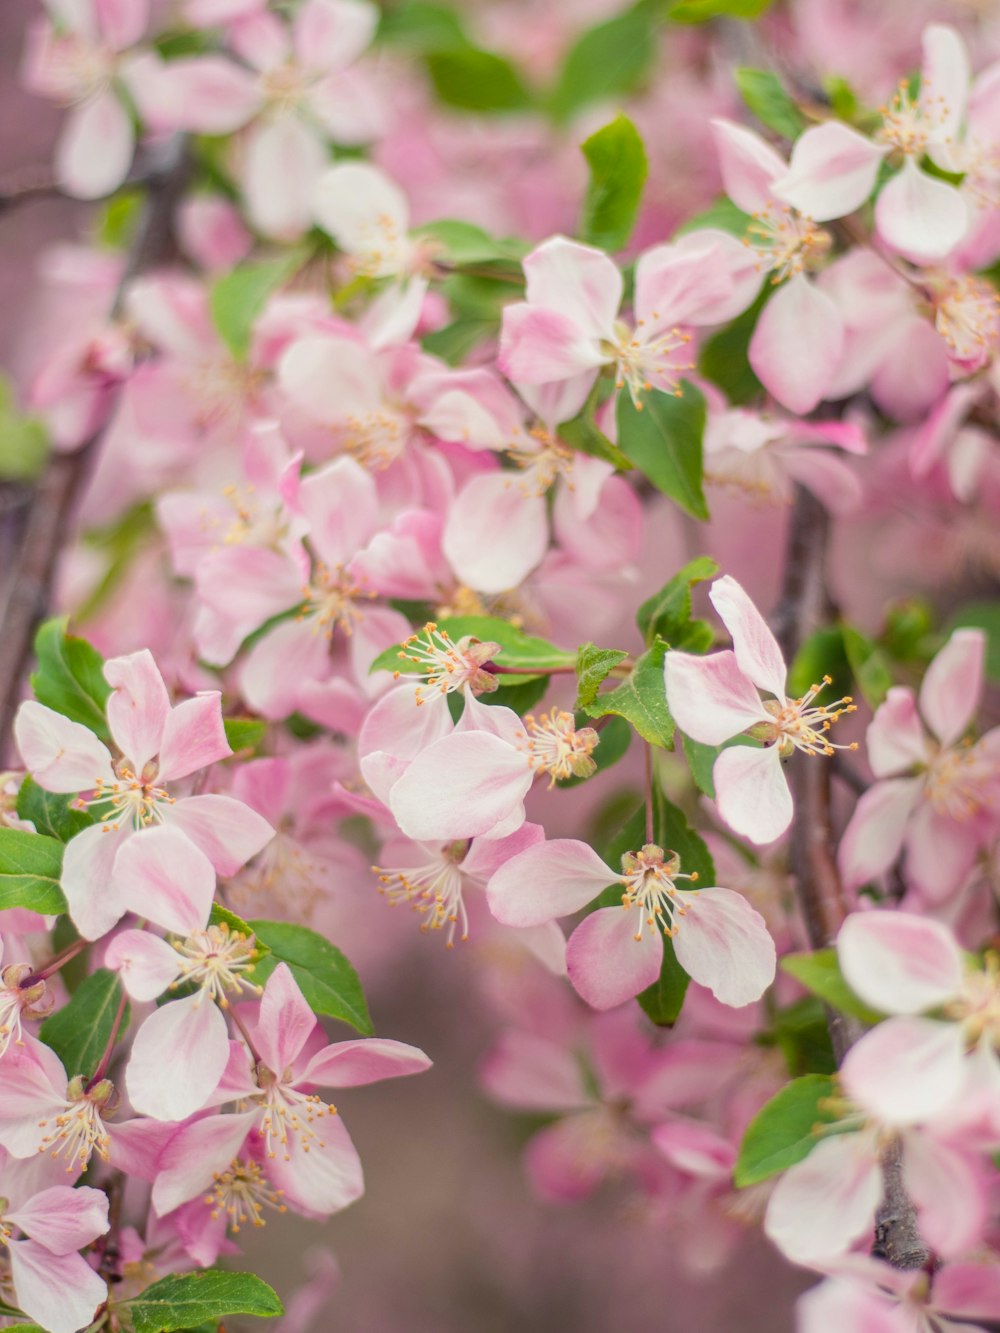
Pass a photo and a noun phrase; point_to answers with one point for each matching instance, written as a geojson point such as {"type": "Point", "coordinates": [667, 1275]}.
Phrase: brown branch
{"type": "Point", "coordinates": [806, 606]}
{"type": "Point", "coordinates": [34, 522]}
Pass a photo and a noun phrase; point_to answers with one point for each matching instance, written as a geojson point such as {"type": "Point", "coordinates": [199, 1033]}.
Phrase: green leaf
{"type": "Point", "coordinates": [593, 665]}
{"type": "Point", "coordinates": [603, 63]}
{"type": "Point", "coordinates": [765, 96]}
{"type": "Point", "coordinates": [868, 666]}
{"type": "Point", "coordinates": [785, 1130]}
{"type": "Point", "coordinates": [662, 1002]}
{"type": "Point", "coordinates": [517, 648]}
{"type": "Point", "coordinates": [701, 761]}
{"type": "Point", "coordinates": [800, 1032]}
{"type": "Point", "coordinates": [186, 1300]}
{"type": "Point", "coordinates": [663, 440]}
{"type": "Point", "coordinates": [325, 977]}
{"type": "Point", "coordinates": [30, 867]}
{"type": "Point", "coordinates": [820, 973]}
{"type": "Point", "coordinates": [463, 243]}
{"type": "Point", "coordinates": [668, 612]}
{"type": "Point", "coordinates": [238, 297]}
{"type": "Point", "coordinates": [119, 218]}
{"type": "Point", "coordinates": [52, 813]}
{"type": "Point", "coordinates": [79, 1032]}
{"type": "Point", "coordinates": [843, 99]}
{"type": "Point", "coordinates": [24, 441]}
{"type": "Point", "coordinates": [984, 616]}
{"type": "Point", "coordinates": [422, 28]}
{"type": "Point", "coordinates": [23, 1328]}
{"type": "Point", "coordinates": [614, 739]}
{"type": "Point", "coordinates": [724, 358]}
{"type": "Point", "coordinates": [244, 733]}
{"type": "Point", "coordinates": [70, 677]}
{"type": "Point", "coordinates": [618, 169]}
{"type": "Point", "coordinates": [222, 916]}
{"type": "Point", "coordinates": [585, 436]}
{"type": "Point", "coordinates": [822, 654]}
{"type": "Point", "coordinates": [909, 631]}
{"type": "Point", "coordinates": [700, 11]}
{"type": "Point", "coordinates": [641, 699]}
{"type": "Point", "coordinates": [476, 80]}
{"type": "Point", "coordinates": [455, 341]}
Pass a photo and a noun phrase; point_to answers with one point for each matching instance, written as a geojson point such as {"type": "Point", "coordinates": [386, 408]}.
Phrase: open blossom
{"type": "Point", "coordinates": [307, 1153]}
{"type": "Point", "coordinates": [569, 325]}
{"type": "Point", "coordinates": [156, 744]}
{"type": "Point", "coordinates": [715, 698]}
{"type": "Point", "coordinates": [616, 952]}
{"type": "Point", "coordinates": [936, 796]}
{"type": "Point", "coordinates": [41, 1233]}
{"type": "Point", "coordinates": [911, 1067]}
{"type": "Point", "coordinates": [869, 1294]}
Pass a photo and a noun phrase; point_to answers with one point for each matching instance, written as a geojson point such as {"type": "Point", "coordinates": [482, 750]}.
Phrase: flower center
{"type": "Point", "coordinates": [434, 890]}
{"type": "Point", "coordinates": [543, 462]}
{"type": "Point", "coordinates": [967, 316]}
{"type": "Point", "coordinates": [133, 798]}
{"type": "Point", "coordinates": [242, 1193]}
{"type": "Point", "coordinates": [77, 1130]}
{"type": "Point", "coordinates": [908, 124]}
{"type": "Point", "coordinates": [800, 726]}
{"type": "Point", "coordinates": [785, 241]}
{"type": "Point", "coordinates": [215, 959]}
{"type": "Point", "coordinates": [332, 600]}
{"type": "Point", "coordinates": [284, 87]}
{"type": "Point", "coordinates": [644, 363]}
{"type": "Point", "coordinates": [448, 666]}
{"type": "Point", "coordinates": [377, 438]}
{"type": "Point", "coordinates": [554, 746]}
{"type": "Point", "coordinates": [251, 522]}
{"type": "Point", "coordinates": [978, 1006]}
{"type": "Point", "coordinates": [649, 878]}
{"type": "Point", "coordinates": [288, 1115]}
{"type": "Point", "coordinates": [18, 1002]}
{"type": "Point", "coordinates": [284, 872]}
{"type": "Point", "coordinates": [957, 782]}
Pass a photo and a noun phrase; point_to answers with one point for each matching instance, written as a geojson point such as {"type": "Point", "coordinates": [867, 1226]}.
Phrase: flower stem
{"type": "Point", "coordinates": [105, 1060]}
{"type": "Point", "coordinates": [55, 963]}
{"type": "Point", "coordinates": [650, 824]}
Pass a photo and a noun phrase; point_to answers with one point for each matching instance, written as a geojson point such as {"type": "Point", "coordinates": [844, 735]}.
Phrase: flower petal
{"type": "Point", "coordinates": [722, 943]}
{"type": "Point", "coordinates": [138, 706]}
{"type": "Point", "coordinates": [920, 217]}
{"type": "Point", "coordinates": [163, 875]}
{"type": "Point", "coordinates": [463, 785]}
{"type": "Point", "coordinates": [495, 533]}
{"type": "Point", "coordinates": [61, 1293]}
{"type": "Point", "coordinates": [226, 830]}
{"type": "Point", "coordinates": [189, 1035]}
{"type": "Point", "coordinates": [797, 344]}
{"type": "Point", "coordinates": [606, 963]}
{"type": "Point", "coordinates": [354, 1064]}
{"type": "Point", "coordinates": [756, 648]}
{"type": "Point", "coordinates": [874, 836]}
{"type": "Point", "coordinates": [822, 1205]}
{"type": "Point", "coordinates": [63, 1219]}
{"type": "Point", "coordinates": [832, 171]}
{"type": "Point", "coordinates": [193, 737]}
{"type": "Point", "coordinates": [749, 166]}
{"type": "Point", "coordinates": [548, 880]}
{"type": "Point", "coordinates": [146, 964]}
{"type": "Point", "coordinates": [579, 280]}
{"type": "Point", "coordinates": [95, 149]}
{"type": "Point", "coordinates": [953, 684]}
{"type": "Point", "coordinates": [61, 755]}
{"type": "Point", "coordinates": [285, 1021]}
{"type": "Point", "coordinates": [710, 698]}
{"type": "Point", "coordinates": [906, 1070]}
{"type": "Point", "coordinates": [752, 792]}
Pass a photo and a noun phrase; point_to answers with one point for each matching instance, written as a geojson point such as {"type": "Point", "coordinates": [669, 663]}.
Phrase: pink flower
{"type": "Point", "coordinates": [616, 952]}
{"type": "Point", "coordinates": [156, 744]}
{"type": "Point", "coordinates": [569, 324]}
{"type": "Point", "coordinates": [307, 1152]}
{"type": "Point", "coordinates": [715, 698]}
{"type": "Point", "coordinates": [53, 1284]}
{"type": "Point", "coordinates": [936, 796]}
{"type": "Point", "coordinates": [871, 1296]}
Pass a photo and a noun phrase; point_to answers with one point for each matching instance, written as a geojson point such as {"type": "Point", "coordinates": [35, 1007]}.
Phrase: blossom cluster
{"type": "Point", "coordinates": [372, 460]}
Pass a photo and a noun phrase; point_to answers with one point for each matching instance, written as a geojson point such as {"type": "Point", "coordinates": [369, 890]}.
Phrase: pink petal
{"type": "Point", "coordinates": [548, 880]}
{"type": "Point", "coordinates": [722, 943]}
{"type": "Point", "coordinates": [63, 1219]}
{"type": "Point", "coordinates": [578, 280]}
{"type": "Point", "coordinates": [227, 831]}
{"type": "Point", "coordinates": [331, 34]}
{"type": "Point", "coordinates": [874, 836]}
{"type": "Point", "coordinates": [283, 160]}
{"type": "Point", "coordinates": [533, 1073]}
{"type": "Point", "coordinates": [832, 171]}
{"type": "Point", "coordinates": [822, 1205]}
{"type": "Point", "coordinates": [320, 1176]}
{"type": "Point", "coordinates": [146, 964]}
{"type": "Point", "coordinates": [122, 22]}
{"type": "Point", "coordinates": [749, 166]}
{"type": "Point", "coordinates": [945, 75]}
{"type": "Point", "coordinates": [756, 648]}
{"type": "Point", "coordinates": [906, 1070]}
{"type": "Point", "coordinates": [279, 664]}
{"type": "Point", "coordinates": [940, 851]}
{"type": "Point", "coordinates": [136, 1146]}
{"type": "Point", "coordinates": [461, 786]}
{"type": "Point", "coordinates": [952, 685]}
{"type": "Point", "coordinates": [193, 1156]}
{"type": "Point", "coordinates": [138, 706]}
{"type": "Point", "coordinates": [797, 344]}
{"type": "Point", "coordinates": [896, 741]}
{"type": "Point", "coordinates": [193, 737]}
{"type": "Point", "coordinates": [847, 1305]}
{"type": "Point", "coordinates": [972, 1290]}
{"type": "Point", "coordinates": [920, 217]}
{"type": "Point", "coordinates": [562, 1163]}
{"type": "Point", "coordinates": [366, 213]}
{"type": "Point", "coordinates": [189, 1034]}
{"type": "Point", "coordinates": [331, 379]}
{"type": "Point", "coordinates": [951, 1198]}
{"type": "Point", "coordinates": [94, 151]}
{"type": "Point", "coordinates": [606, 963]}
{"type": "Point", "coordinates": [207, 94]}
{"type": "Point", "coordinates": [61, 755]}
{"type": "Point", "coordinates": [539, 344]}
{"type": "Point", "coordinates": [61, 1293]}
{"type": "Point", "coordinates": [898, 962]}
{"type": "Point", "coordinates": [707, 277]}
{"type": "Point", "coordinates": [752, 792]}
{"type": "Point", "coordinates": [165, 876]}
{"type": "Point", "coordinates": [496, 533]}
{"type": "Point", "coordinates": [710, 698]}
{"type": "Point", "coordinates": [93, 891]}
{"type": "Point", "coordinates": [341, 504]}
{"type": "Point", "coordinates": [285, 1022]}
{"type": "Point", "coordinates": [354, 1064]}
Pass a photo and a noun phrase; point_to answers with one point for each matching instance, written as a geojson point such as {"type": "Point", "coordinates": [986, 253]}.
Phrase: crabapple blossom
{"type": "Point", "coordinates": [715, 698]}
{"type": "Point", "coordinates": [616, 952]}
